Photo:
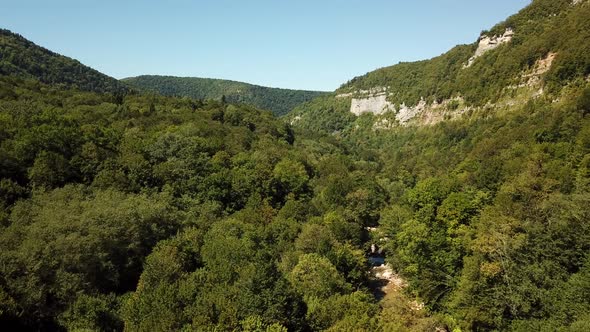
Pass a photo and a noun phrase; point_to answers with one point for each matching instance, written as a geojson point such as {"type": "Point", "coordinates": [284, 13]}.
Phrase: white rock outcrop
{"type": "Point", "coordinates": [542, 66]}
{"type": "Point", "coordinates": [373, 103]}
{"type": "Point", "coordinates": [487, 43]}
{"type": "Point", "coordinates": [345, 95]}
{"type": "Point", "coordinates": [295, 120]}
{"type": "Point", "coordinates": [405, 113]}
{"type": "Point", "coordinates": [423, 114]}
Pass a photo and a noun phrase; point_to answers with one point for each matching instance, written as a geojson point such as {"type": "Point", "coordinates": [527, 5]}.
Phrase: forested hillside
{"type": "Point", "coordinates": [545, 26]}
{"type": "Point", "coordinates": [487, 216]}
{"type": "Point", "coordinates": [554, 33]}
{"type": "Point", "coordinates": [159, 214]}
{"type": "Point", "coordinates": [22, 58]}
{"type": "Point", "coordinates": [279, 101]}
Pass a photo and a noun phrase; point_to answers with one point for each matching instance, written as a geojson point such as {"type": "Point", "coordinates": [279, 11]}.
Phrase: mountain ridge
{"type": "Point", "coordinates": [469, 77]}
{"type": "Point", "coordinates": [278, 100]}
{"type": "Point", "coordinates": [23, 58]}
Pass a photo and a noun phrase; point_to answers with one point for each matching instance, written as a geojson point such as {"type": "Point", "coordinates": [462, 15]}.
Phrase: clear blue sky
{"type": "Point", "coordinates": [302, 44]}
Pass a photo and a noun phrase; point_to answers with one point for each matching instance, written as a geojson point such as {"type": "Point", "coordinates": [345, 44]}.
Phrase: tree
{"type": "Point", "coordinates": [315, 276]}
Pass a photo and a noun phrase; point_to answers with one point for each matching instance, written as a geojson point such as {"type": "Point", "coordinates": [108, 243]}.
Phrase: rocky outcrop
{"type": "Point", "coordinates": [424, 114]}
{"type": "Point", "coordinates": [376, 104]}
{"type": "Point", "coordinates": [487, 44]}
{"type": "Point", "coordinates": [369, 101]}
{"type": "Point", "coordinates": [295, 120]}
{"type": "Point", "coordinates": [405, 113]}
{"type": "Point", "coordinates": [532, 78]}
{"type": "Point", "coordinates": [376, 101]}
{"type": "Point", "coordinates": [345, 95]}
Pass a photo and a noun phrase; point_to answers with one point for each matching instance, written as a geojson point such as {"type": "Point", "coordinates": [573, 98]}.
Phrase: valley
{"type": "Point", "coordinates": [447, 194]}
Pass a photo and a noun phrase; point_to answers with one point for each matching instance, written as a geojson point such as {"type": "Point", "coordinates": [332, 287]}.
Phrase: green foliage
{"type": "Point", "coordinates": [322, 115]}
{"type": "Point", "coordinates": [279, 101]}
{"type": "Point", "coordinates": [22, 58]}
{"type": "Point", "coordinates": [89, 313]}
{"type": "Point", "coordinates": [231, 286]}
{"type": "Point", "coordinates": [542, 27]}
{"type": "Point", "coordinates": [153, 213]}
{"type": "Point", "coordinates": [315, 276]}
{"type": "Point", "coordinates": [350, 312]}
{"type": "Point", "coordinates": [291, 177]}
{"type": "Point", "coordinates": [72, 241]}
{"type": "Point", "coordinates": [89, 187]}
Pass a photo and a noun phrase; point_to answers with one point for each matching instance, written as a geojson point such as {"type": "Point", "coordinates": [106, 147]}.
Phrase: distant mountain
{"type": "Point", "coordinates": [22, 58]}
{"type": "Point", "coordinates": [279, 101]}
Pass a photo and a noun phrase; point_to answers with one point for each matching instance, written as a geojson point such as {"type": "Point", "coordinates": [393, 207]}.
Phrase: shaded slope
{"type": "Point", "coordinates": [280, 101]}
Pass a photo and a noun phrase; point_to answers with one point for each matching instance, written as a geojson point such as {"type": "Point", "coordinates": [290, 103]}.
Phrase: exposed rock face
{"type": "Point", "coordinates": [405, 113]}
{"type": "Point", "coordinates": [374, 103]}
{"type": "Point", "coordinates": [542, 66]}
{"type": "Point", "coordinates": [369, 101]}
{"type": "Point", "coordinates": [295, 120]}
{"type": "Point", "coordinates": [345, 95]}
{"type": "Point", "coordinates": [487, 44]}
{"type": "Point", "coordinates": [423, 114]}
{"type": "Point", "coordinates": [533, 77]}
{"type": "Point", "coordinates": [392, 282]}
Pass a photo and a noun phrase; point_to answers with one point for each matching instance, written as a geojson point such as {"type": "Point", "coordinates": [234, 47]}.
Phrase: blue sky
{"type": "Point", "coordinates": [301, 44]}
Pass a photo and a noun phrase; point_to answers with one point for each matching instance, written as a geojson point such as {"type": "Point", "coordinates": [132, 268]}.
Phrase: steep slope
{"type": "Point", "coordinates": [280, 101]}
{"type": "Point", "coordinates": [536, 52]}
{"type": "Point", "coordinates": [484, 153]}
{"type": "Point", "coordinates": [23, 58]}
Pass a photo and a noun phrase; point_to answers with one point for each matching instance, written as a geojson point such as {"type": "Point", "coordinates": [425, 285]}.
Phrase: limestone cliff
{"type": "Point", "coordinates": [487, 44]}
{"type": "Point", "coordinates": [375, 103]}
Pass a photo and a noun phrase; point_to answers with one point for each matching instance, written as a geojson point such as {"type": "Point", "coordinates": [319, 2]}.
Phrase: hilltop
{"type": "Point", "coordinates": [22, 58]}
{"type": "Point", "coordinates": [279, 101]}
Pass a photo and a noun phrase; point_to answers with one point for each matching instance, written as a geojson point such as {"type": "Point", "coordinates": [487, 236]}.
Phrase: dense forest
{"type": "Point", "coordinates": [279, 101]}
{"type": "Point", "coordinates": [158, 213]}
{"type": "Point", "coordinates": [487, 216]}
{"type": "Point", "coordinates": [124, 210]}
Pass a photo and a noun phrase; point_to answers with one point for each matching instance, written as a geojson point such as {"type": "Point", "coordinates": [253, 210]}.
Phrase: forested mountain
{"type": "Point", "coordinates": [22, 58]}
{"type": "Point", "coordinates": [144, 212]}
{"type": "Point", "coordinates": [541, 50]}
{"type": "Point", "coordinates": [279, 101]}
{"type": "Point", "coordinates": [545, 27]}
{"type": "Point", "coordinates": [483, 152]}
